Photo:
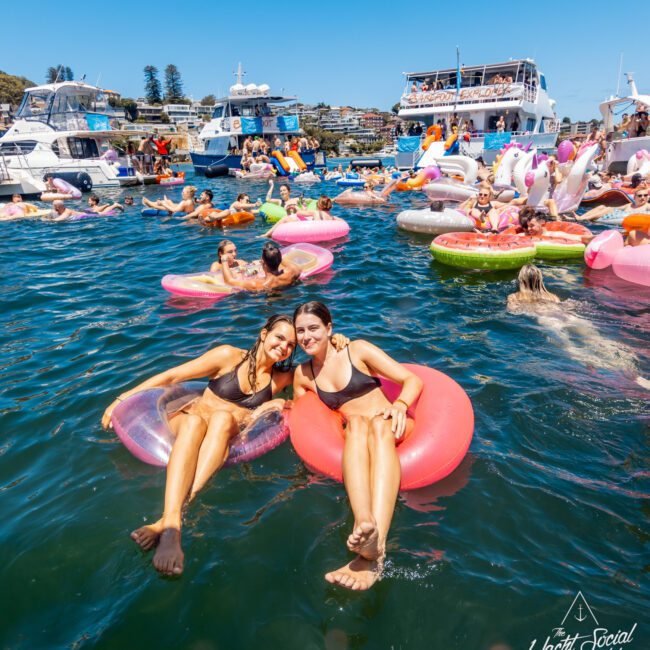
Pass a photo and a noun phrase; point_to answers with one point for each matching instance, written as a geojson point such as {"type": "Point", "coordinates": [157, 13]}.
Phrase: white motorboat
{"type": "Point", "coordinates": [476, 97]}
{"type": "Point", "coordinates": [620, 151]}
{"type": "Point", "coordinates": [67, 130]}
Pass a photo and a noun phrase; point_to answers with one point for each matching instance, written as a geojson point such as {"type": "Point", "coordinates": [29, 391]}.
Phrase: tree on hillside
{"type": "Point", "coordinates": [129, 105]}
{"type": "Point", "coordinates": [152, 88]}
{"type": "Point", "coordinates": [566, 120]}
{"type": "Point", "coordinates": [173, 84]}
{"type": "Point", "coordinates": [58, 73]}
{"type": "Point", "coordinates": [12, 88]}
{"type": "Point", "coordinates": [208, 100]}
{"type": "Point", "coordinates": [395, 108]}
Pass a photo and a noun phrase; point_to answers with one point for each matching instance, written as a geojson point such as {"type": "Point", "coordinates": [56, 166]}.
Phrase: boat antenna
{"type": "Point", "coordinates": [58, 72]}
{"type": "Point", "coordinates": [618, 78]}
{"type": "Point", "coordinates": [240, 73]}
{"type": "Point", "coordinates": [99, 76]}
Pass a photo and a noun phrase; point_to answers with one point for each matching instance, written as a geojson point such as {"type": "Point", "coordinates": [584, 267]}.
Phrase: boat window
{"type": "Point", "coordinates": [218, 112]}
{"type": "Point", "coordinates": [83, 148]}
{"type": "Point", "coordinates": [12, 148]}
{"type": "Point", "coordinates": [35, 105]}
{"type": "Point", "coordinates": [542, 81]}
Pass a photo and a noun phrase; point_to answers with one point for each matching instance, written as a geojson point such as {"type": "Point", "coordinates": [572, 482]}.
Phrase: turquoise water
{"type": "Point", "coordinates": [552, 498]}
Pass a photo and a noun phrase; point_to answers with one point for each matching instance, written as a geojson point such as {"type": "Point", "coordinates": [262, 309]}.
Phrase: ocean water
{"type": "Point", "coordinates": [551, 500]}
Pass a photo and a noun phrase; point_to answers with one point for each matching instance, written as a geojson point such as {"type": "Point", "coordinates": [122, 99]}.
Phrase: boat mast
{"type": "Point", "coordinates": [618, 79]}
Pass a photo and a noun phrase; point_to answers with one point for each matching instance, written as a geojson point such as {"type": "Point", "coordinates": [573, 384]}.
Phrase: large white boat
{"type": "Point", "coordinates": [248, 110]}
{"type": "Point", "coordinates": [65, 129]}
{"type": "Point", "coordinates": [478, 96]}
{"type": "Point", "coordinates": [619, 151]}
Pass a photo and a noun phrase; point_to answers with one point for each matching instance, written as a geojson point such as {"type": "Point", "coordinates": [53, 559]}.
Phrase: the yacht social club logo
{"type": "Point", "coordinates": [580, 630]}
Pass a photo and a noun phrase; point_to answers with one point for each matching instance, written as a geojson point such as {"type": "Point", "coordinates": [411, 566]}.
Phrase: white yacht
{"type": "Point", "coordinates": [619, 151]}
{"type": "Point", "coordinates": [65, 129]}
{"type": "Point", "coordinates": [248, 110]}
{"type": "Point", "coordinates": [478, 96]}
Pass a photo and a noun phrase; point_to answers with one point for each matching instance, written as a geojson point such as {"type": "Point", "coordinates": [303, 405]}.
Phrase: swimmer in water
{"type": "Point", "coordinates": [226, 254]}
{"type": "Point", "coordinates": [348, 384]}
{"type": "Point", "coordinates": [579, 338]}
{"type": "Point", "coordinates": [186, 204]}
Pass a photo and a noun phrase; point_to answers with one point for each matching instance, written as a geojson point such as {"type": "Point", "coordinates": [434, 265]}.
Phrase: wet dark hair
{"type": "Point", "coordinates": [222, 246]}
{"type": "Point", "coordinates": [94, 198]}
{"type": "Point", "coordinates": [314, 308]}
{"type": "Point", "coordinates": [527, 213]}
{"type": "Point", "coordinates": [324, 203]}
{"type": "Point", "coordinates": [209, 194]}
{"type": "Point", "coordinates": [287, 186]}
{"type": "Point", "coordinates": [437, 206]}
{"type": "Point", "coordinates": [251, 355]}
{"type": "Point", "coordinates": [241, 196]}
{"type": "Point", "coordinates": [271, 256]}
{"type": "Point", "coordinates": [635, 180]}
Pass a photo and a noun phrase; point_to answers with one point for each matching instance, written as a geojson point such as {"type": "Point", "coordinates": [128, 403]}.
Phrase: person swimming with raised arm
{"type": "Point", "coordinates": [186, 204]}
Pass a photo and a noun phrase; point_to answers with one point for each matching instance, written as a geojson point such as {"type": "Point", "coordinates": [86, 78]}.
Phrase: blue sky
{"type": "Point", "coordinates": [336, 52]}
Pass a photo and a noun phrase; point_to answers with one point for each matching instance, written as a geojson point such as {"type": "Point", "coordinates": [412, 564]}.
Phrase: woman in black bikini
{"type": "Point", "coordinates": [346, 382]}
{"type": "Point", "coordinates": [242, 385]}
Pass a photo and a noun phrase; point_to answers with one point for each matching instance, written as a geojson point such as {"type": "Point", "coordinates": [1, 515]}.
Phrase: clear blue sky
{"type": "Point", "coordinates": [335, 52]}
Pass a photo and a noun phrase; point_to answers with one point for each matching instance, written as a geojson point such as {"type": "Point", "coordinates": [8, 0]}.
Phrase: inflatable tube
{"type": "Point", "coordinates": [522, 167]}
{"type": "Point", "coordinates": [445, 189]}
{"type": "Point", "coordinates": [569, 193]}
{"type": "Point", "coordinates": [86, 215]}
{"type": "Point", "coordinates": [611, 197]}
{"type": "Point", "coordinates": [538, 182]}
{"type": "Point", "coordinates": [602, 249]}
{"type": "Point", "coordinates": [356, 163]}
{"type": "Point", "coordinates": [309, 258]}
{"type": "Point", "coordinates": [351, 182]}
{"type": "Point", "coordinates": [142, 424]}
{"type": "Point", "coordinates": [455, 165]}
{"type": "Point", "coordinates": [307, 177]}
{"type": "Point", "coordinates": [151, 212]}
{"type": "Point", "coordinates": [434, 223]}
{"type": "Point", "coordinates": [430, 173]}
{"type": "Point", "coordinates": [311, 231]}
{"type": "Point", "coordinates": [272, 212]}
{"type": "Point", "coordinates": [234, 219]}
{"type": "Point", "coordinates": [179, 179]}
{"type": "Point", "coordinates": [566, 151]}
{"type": "Point", "coordinates": [64, 187]}
{"type": "Point", "coordinates": [562, 240]}
{"type": "Point", "coordinates": [632, 263]}
{"type": "Point", "coordinates": [298, 160]}
{"type": "Point", "coordinates": [213, 171]}
{"type": "Point", "coordinates": [434, 134]}
{"type": "Point", "coordinates": [444, 425]}
{"type": "Point", "coordinates": [55, 196]}
{"type": "Point", "coordinates": [637, 222]}
{"type": "Point", "coordinates": [468, 250]}
{"type": "Point", "coordinates": [12, 211]}
{"type": "Point", "coordinates": [613, 218]}
{"type": "Point", "coordinates": [639, 163]}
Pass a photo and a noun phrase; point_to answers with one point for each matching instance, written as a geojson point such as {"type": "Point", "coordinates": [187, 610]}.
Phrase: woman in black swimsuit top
{"type": "Point", "coordinates": [374, 425]}
{"type": "Point", "coordinates": [204, 428]}
{"type": "Point", "coordinates": [359, 385]}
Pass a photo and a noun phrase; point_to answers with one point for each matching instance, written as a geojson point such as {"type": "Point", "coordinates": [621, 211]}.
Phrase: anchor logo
{"type": "Point", "coordinates": [581, 605]}
{"type": "Point", "coordinates": [580, 617]}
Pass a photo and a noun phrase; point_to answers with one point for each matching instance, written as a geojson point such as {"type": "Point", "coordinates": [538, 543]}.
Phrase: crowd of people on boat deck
{"type": "Point", "coordinates": [151, 156]}
{"type": "Point", "coordinates": [257, 149]}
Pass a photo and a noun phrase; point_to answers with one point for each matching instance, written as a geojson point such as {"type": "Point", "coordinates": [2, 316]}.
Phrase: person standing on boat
{"type": "Point", "coordinates": [146, 150]}
{"type": "Point", "coordinates": [162, 146]}
{"type": "Point", "coordinates": [501, 124]}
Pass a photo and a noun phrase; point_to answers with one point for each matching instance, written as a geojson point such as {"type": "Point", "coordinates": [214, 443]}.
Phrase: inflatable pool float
{"type": "Point", "coordinates": [309, 258]}
{"type": "Point", "coordinates": [88, 215]}
{"type": "Point", "coordinates": [444, 425]}
{"type": "Point", "coordinates": [351, 180]}
{"type": "Point", "coordinates": [445, 189]}
{"type": "Point", "coordinates": [151, 212]}
{"type": "Point", "coordinates": [234, 219]}
{"type": "Point", "coordinates": [64, 191]}
{"type": "Point", "coordinates": [611, 197]}
{"type": "Point", "coordinates": [613, 218]}
{"type": "Point", "coordinates": [272, 212]}
{"type": "Point", "coordinates": [311, 231]}
{"type": "Point", "coordinates": [11, 211]}
{"type": "Point", "coordinates": [630, 263]}
{"type": "Point", "coordinates": [561, 240]}
{"type": "Point", "coordinates": [307, 177]}
{"type": "Point", "coordinates": [637, 222]}
{"type": "Point", "coordinates": [171, 180]}
{"type": "Point", "coordinates": [601, 250]}
{"type": "Point", "coordinates": [434, 223]}
{"type": "Point", "coordinates": [470, 250]}
{"type": "Point", "coordinates": [142, 424]}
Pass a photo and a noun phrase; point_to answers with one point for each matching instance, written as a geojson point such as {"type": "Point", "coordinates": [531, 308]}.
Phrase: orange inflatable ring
{"type": "Point", "coordinates": [637, 222]}
{"type": "Point", "coordinates": [444, 425]}
{"type": "Point", "coordinates": [229, 220]}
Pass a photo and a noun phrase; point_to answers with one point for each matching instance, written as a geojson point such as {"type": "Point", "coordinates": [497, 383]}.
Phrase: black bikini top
{"type": "Point", "coordinates": [360, 384]}
{"type": "Point", "coordinates": [227, 387]}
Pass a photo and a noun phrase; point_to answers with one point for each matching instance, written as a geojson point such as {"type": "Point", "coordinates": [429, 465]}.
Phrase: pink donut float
{"type": "Point", "coordinates": [632, 263]}
{"type": "Point", "coordinates": [142, 424]}
{"type": "Point", "coordinates": [311, 260]}
{"type": "Point", "coordinates": [311, 231]}
{"type": "Point", "coordinates": [66, 188]}
{"type": "Point", "coordinates": [444, 425]}
{"type": "Point", "coordinates": [601, 250]}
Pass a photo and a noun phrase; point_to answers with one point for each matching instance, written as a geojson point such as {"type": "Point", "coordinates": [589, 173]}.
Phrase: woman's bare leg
{"type": "Point", "coordinates": [180, 476]}
{"type": "Point", "coordinates": [214, 450]}
{"type": "Point", "coordinates": [386, 474]}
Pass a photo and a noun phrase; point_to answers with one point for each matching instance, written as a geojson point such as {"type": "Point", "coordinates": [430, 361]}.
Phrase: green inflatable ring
{"type": "Point", "coordinates": [272, 212]}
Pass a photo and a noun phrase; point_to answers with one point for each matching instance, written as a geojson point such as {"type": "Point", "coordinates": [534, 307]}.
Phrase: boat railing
{"type": "Point", "coordinates": [4, 171]}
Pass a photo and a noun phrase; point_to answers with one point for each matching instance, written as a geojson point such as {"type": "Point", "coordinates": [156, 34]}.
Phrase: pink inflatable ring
{"type": "Point", "coordinates": [142, 424]}
{"type": "Point", "coordinates": [444, 424]}
{"type": "Point", "coordinates": [311, 231]}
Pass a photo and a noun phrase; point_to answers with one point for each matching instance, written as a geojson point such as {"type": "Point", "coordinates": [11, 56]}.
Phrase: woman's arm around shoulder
{"type": "Point", "coordinates": [301, 382]}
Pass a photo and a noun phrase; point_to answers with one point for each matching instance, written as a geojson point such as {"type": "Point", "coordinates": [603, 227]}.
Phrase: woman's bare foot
{"type": "Point", "coordinates": [169, 556]}
{"type": "Point", "coordinates": [358, 575]}
{"type": "Point", "coordinates": [147, 537]}
{"type": "Point", "coordinates": [364, 540]}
